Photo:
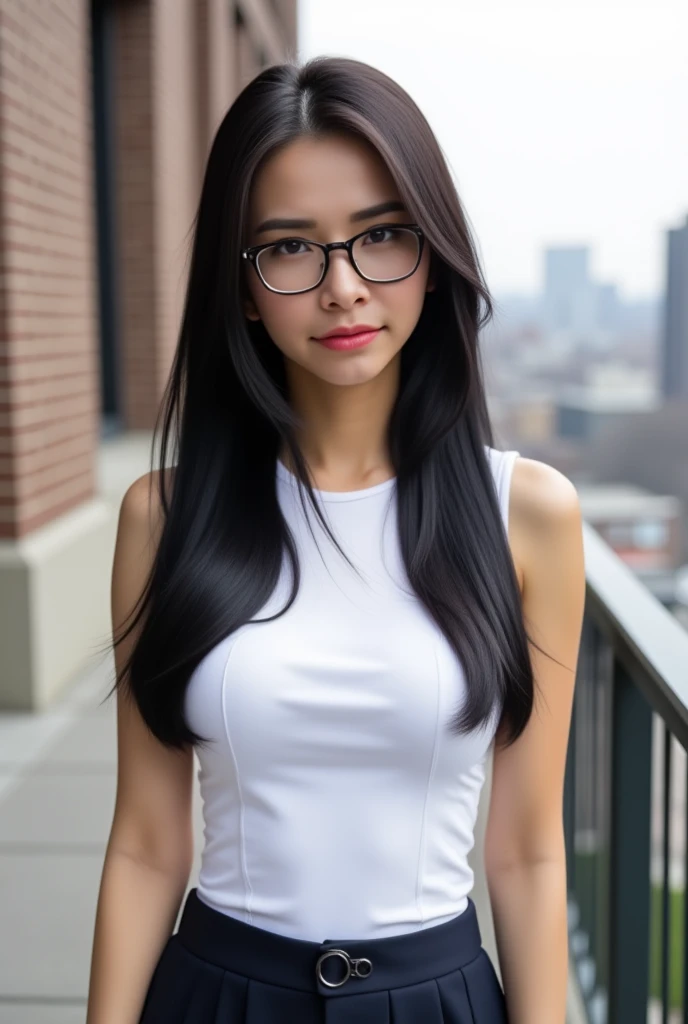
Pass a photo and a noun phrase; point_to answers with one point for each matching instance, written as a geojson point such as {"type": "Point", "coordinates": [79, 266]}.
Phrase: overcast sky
{"type": "Point", "coordinates": [563, 121]}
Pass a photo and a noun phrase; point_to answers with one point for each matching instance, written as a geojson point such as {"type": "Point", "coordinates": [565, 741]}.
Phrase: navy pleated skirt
{"type": "Point", "coordinates": [217, 969]}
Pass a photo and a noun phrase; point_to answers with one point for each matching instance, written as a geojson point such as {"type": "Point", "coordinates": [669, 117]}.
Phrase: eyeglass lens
{"type": "Point", "coordinates": [383, 254]}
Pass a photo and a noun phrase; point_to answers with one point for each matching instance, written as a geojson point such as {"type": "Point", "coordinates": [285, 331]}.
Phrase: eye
{"type": "Point", "coordinates": [377, 232]}
{"type": "Point", "coordinates": [279, 250]}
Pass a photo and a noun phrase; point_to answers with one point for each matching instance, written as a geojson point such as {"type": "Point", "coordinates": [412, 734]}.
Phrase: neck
{"type": "Point", "coordinates": [344, 426]}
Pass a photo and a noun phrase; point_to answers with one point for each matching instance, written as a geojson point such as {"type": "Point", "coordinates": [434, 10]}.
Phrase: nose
{"type": "Point", "coordinates": [342, 285]}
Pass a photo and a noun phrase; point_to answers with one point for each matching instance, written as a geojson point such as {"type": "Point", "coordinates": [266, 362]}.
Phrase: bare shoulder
{"type": "Point", "coordinates": [139, 528]}
{"type": "Point", "coordinates": [544, 511]}
{"type": "Point", "coordinates": [540, 494]}
{"type": "Point", "coordinates": [141, 508]}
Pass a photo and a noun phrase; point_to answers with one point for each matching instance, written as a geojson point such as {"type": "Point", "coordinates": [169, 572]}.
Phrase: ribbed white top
{"type": "Point", "coordinates": [336, 801]}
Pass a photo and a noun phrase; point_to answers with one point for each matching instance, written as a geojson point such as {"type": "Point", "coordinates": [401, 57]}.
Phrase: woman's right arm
{"type": "Point", "coordinates": [150, 849]}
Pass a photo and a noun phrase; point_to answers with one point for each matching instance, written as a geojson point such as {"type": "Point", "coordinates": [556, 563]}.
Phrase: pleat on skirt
{"type": "Point", "coordinates": [217, 969]}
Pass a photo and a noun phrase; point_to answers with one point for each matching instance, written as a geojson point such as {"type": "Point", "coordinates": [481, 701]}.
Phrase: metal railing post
{"type": "Point", "coordinates": [629, 890]}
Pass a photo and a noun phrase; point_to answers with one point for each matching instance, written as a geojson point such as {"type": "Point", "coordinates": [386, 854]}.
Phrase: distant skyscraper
{"type": "Point", "coordinates": [570, 297]}
{"type": "Point", "coordinates": [608, 307]}
{"type": "Point", "coordinates": [675, 320]}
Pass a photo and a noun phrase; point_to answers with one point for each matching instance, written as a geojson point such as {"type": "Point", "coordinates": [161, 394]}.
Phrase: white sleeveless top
{"type": "Point", "coordinates": [336, 801]}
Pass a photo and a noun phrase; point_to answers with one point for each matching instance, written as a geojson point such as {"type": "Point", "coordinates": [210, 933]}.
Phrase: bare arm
{"type": "Point", "coordinates": [525, 859]}
{"type": "Point", "coordinates": [150, 848]}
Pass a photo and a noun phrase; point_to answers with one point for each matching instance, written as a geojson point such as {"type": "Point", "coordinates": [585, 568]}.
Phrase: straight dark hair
{"type": "Point", "coordinates": [225, 415]}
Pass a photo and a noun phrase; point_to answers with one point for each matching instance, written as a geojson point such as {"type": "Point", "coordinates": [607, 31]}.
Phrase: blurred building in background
{"type": "Point", "coordinates": [643, 528]}
{"type": "Point", "coordinates": [584, 411]}
{"type": "Point", "coordinates": [674, 337]}
{"type": "Point", "coordinates": [107, 111]}
{"type": "Point", "coordinates": [595, 384]}
{"type": "Point", "coordinates": [570, 298]}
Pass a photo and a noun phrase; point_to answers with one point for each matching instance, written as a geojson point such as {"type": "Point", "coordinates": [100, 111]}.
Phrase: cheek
{"type": "Point", "coordinates": [404, 300]}
{"type": "Point", "coordinates": [286, 318]}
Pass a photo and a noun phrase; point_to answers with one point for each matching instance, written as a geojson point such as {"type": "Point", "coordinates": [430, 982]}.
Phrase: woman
{"type": "Point", "coordinates": [327, 600]}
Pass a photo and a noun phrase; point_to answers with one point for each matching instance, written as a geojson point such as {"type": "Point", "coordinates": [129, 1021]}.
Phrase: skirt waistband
{"type": "Point", "coordinates": [359, 966]}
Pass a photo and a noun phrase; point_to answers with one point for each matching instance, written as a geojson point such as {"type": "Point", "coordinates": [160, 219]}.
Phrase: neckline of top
{"type": "Point", "coordinates": [364, 492]}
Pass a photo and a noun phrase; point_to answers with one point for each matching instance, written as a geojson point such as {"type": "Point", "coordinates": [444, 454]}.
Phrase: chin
{"type": "Point", "coordinates": [350, 375]}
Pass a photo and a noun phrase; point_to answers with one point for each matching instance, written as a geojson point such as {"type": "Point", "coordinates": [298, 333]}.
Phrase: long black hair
{"type": "Point", "coordinates": [225, 416]}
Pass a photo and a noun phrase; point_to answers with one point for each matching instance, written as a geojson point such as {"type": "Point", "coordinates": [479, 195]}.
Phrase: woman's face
{"type": "Point", "coordinates": [327, 180]}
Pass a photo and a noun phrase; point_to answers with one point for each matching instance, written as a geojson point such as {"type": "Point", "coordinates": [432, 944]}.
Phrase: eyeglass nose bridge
{"type": "Point", "coordinates": [327, 248]}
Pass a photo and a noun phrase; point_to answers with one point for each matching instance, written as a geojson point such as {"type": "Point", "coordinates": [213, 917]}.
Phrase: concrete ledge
{"type": "Point", "coordinates": [54, 603]}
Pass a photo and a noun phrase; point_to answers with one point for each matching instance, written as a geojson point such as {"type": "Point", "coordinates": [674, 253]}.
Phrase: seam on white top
{"type": "Point", "coordinates": [431, 775]}
{"type": "Point", "coordinates": [242, 828]}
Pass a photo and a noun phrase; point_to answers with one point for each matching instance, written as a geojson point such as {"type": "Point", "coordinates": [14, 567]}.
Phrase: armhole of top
{"type": "Point", "coordinates": [507, 461]}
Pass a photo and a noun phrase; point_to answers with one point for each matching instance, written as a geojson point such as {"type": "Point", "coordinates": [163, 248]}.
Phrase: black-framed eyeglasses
{"type": "Point", "coordinates": [383, 254]}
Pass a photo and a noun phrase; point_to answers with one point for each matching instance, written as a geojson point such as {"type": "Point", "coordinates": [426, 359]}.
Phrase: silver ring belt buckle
{"type": "Point", "coordinates": [359, 968]}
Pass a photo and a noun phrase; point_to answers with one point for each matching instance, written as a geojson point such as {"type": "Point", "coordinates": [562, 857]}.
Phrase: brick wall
{"type": "Point", "coordinates": [157, 174]}
{"type": "Point", "coordinates": [136, 254]}
{"type": "Point", "coordinates": [48, 340]}
{"type": "Point", "coordinates": [177, 66]}
{"type": "Point", "coordinates": [176, 164]}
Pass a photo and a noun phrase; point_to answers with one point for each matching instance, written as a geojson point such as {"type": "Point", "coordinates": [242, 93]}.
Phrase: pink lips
{"type": "Point", "coordinates": [348, 341]}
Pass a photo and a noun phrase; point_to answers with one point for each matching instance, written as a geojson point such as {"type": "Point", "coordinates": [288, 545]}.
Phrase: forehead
{"type": "Point", "coordinates": [322, 177]}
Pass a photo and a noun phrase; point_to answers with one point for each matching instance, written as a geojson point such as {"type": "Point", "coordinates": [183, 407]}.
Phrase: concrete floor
{"type": "Point", "coordinates": [57, 787]}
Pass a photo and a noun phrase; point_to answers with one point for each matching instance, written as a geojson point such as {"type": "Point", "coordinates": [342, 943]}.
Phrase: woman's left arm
{"type": "Point", "coordinates": [525, 859]}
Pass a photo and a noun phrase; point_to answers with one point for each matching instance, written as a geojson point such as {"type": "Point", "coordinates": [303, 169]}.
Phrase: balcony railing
{"type": "Point", "coordinates": [625, 801]}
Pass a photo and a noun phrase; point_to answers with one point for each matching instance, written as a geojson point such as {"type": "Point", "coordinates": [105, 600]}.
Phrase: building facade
{"type": "Point", "coordinates": [569, 299]}
{"type": "Point", "coordinates": [107, 112]}
{"type": "Point", "coordinates": [674, 347]}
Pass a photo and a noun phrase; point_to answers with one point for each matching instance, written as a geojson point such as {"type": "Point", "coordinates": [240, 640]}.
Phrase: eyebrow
{"type": "Point", "coordinates": [278, 223]}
